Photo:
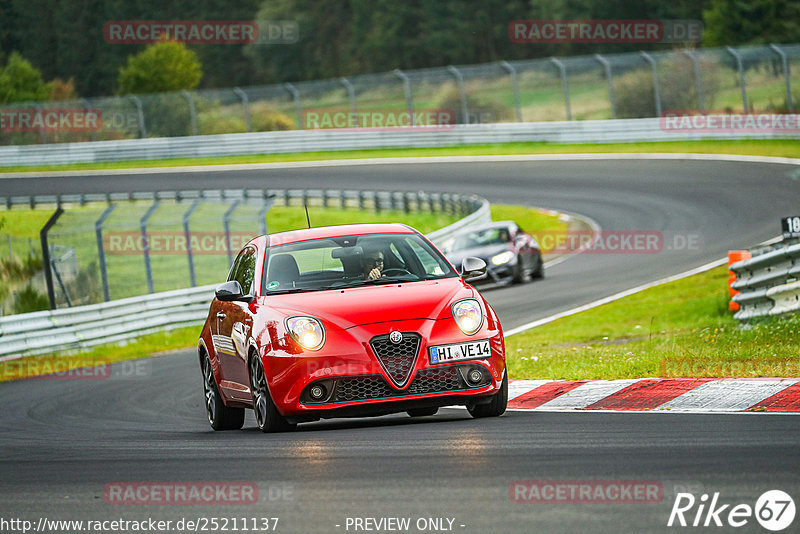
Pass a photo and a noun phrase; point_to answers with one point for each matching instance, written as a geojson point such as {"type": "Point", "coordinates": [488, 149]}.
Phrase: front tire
{"type": "Point", "coordinates": [268, 417]}
{"type": "Point", "coordinates": [538, 274]}
{"type": "Point", "coordinates": [220, 417]}
{"type": "Point", "coordinates": [494, 408]}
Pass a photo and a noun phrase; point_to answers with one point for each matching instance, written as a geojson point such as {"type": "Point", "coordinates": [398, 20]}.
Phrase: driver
{"type": "Point", "coordinates": [373, 264]}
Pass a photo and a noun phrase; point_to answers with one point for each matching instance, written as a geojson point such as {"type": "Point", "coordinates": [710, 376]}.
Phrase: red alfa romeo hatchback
{"type": "Point", "coordinates": [349, 321]}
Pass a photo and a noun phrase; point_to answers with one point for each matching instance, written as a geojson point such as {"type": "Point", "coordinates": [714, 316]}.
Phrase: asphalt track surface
{"type": "Point", "coordinates": [62, 441]}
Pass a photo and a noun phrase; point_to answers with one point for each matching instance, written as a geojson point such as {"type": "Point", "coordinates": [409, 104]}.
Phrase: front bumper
{"type": "Point", "coordinates": [355, 382]}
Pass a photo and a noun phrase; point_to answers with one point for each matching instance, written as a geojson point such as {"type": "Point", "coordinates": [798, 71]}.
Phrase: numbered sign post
{"type": "Point", "coordinates": [791, 226]}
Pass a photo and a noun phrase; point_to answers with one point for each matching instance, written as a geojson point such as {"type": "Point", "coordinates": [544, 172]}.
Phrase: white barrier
{"type": "Point", "coordinates": [602, 131]}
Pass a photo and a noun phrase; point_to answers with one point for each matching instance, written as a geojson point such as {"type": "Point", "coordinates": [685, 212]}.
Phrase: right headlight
{"type": "Point", "coordinates": [503, 257]}
{"type": "Point", "coordinates": [468, 315]}
{"type": "Point", "coordinates": [307, 331]}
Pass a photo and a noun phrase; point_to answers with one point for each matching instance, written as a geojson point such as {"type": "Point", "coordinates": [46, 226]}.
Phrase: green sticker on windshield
{"type": "Point", "coordinates": [273, 285]}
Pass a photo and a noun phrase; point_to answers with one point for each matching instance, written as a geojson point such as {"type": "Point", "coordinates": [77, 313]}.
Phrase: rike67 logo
{"type": "Point", "coordinates": [774, 510]}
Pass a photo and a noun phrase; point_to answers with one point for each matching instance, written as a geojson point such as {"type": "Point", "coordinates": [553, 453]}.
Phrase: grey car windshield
{"type": "Point", "coordinates": [481, 238]}
{"type": "Point", "coordinates": [352, 261]}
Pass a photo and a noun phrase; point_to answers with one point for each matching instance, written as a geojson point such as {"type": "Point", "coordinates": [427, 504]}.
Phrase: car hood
{"type": "Point", "coordinates": [485, 253]}
{"type": "Point", "coordinates": [347, 308]}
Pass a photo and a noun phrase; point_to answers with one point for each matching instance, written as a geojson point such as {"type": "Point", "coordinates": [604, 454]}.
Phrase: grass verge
{"type": "Point", "coordinates": [679, 329]}
{"type": "Point", "coordinates": [772, 147]}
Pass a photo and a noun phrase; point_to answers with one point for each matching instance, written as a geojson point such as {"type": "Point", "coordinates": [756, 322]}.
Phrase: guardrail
{"type": "Point", "coordinates": [768, 283]}
{"type": "Point", "coordinates": [605, 131]}
{"type": "Point", "coordinates": [86, 326]}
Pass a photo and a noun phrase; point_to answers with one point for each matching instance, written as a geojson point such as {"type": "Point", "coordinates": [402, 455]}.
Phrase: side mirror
{"type": "Point", "coordinates": [473, 269]}
{"type": "Point", "coordinates": [231, 291]}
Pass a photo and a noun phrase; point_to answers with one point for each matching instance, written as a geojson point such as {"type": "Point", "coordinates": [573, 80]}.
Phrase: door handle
{"type": "Point", "coordinates": [220, 315]}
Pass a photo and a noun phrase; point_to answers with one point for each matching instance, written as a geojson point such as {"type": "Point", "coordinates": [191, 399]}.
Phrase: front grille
{"type": "Point", "coordinates": [362, 388]}
{"type": "Point", "coordinates": [397, 359]}
{"type": "Point", "coordinates": [434, 380]}
{"type": "Point", "coordinates": [431, 380]}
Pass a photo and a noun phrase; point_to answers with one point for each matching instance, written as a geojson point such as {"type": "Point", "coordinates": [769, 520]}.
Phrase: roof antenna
{"type": "Point", "coordinates": [305, 205]}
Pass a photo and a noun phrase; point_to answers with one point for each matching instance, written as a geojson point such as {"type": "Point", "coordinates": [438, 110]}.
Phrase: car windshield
{"type": "Point", "coordinates": [481, 238]}
{"type": "Point", "coordinates": [352, 261]}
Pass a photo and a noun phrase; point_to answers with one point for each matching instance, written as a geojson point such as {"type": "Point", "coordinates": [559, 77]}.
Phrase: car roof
{"type": "Point", "coordinates": [322, 232]}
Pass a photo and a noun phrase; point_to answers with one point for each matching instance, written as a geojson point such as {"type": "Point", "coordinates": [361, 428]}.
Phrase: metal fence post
{"type": "Point", "coordinates": [85, 103]}
{"type": "Point", "coordinates": [148, 270]}
{"type": "Point", "coordinates": [407, 91]}
{"type": "Point", "coordinates": [187, 234]}
{"type": "Point", "coordinates": [656, 90]}
{"type": "Point", "coordinates": [48, 275]}
{"type": "Point", "coordinates": [698, 79]}
{"type": "Point", "coordinates": [226, 221]}
{"type": "Point", "coordinates": [461, 91]}
{"type": "Point", "coordinates": [564, 85]}
{"type": "Point", "coordinates": [351, 96]}
{"type": "Point", "coordinates": [192, 110]}
{"type": "Point", "coordinates": [610, 81]}
{"type": "Point", "coordinates": [42, 133]}
{"type": "Point", "coordinates": [101, 250]}
{"type": "Point", "coordinates": [786, 75]}
{"type": "Point", "coordinates": [140, 115]}
{"type": "Point", "coordinates": [515, 86]}
{"type": "Point", "coordinates": [245, 106]}
{"type": "Point", "coordinates": [262, 215]}
{"type": "Point", "coordinates": [738, 59]}
{"type": "Point", "coordinates": [298, 106]}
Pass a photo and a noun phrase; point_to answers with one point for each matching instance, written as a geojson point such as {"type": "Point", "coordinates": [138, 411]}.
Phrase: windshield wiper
{"type": "Point", "coordinates": [377, 281]}
{"type": "Point", "coordinates": [291, 290]}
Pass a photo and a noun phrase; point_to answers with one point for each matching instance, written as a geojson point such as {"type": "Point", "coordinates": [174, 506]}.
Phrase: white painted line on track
{"type": "Point", "coordinates": [616, 296]}
{"type": "Point", "coordinates": [727, 395]}
{"type": "Point", "coordinates": [518, 387]}
{"type": "Point", "coordinates": [586, 394]}
{"type": "Point", "coordinates": [411, 160]}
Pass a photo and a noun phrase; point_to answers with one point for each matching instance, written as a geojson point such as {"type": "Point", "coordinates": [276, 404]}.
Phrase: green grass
{"type": "Point", "coordinates": [679, 329]}
{"type": "Point", "coordinates": [772, 147]}
{"type": "Point", "coordinates": [147, 345]}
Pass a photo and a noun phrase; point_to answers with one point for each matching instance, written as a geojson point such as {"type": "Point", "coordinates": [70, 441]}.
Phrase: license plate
{"type": "Point", "coordinates": [460, 351]}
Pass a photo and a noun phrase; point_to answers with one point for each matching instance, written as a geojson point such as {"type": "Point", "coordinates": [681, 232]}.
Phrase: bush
{"type": "Point", "coordinates": [266, 119]}
{"type": "Point", "coordinates": [29, 300]}
{"type": "Point", "coordinates": [634, 96]}
{"type": "Point", "coordinates": [480, 110]}
{"type": "Point", "coordinates": [14, 269]}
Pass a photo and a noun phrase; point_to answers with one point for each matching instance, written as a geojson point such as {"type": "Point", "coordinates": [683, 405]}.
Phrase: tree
{"type": "Point", "coordinates": [21, 82]}
{"type": "Point", "coordinates": [161, 67]}
{"type": "Point", "coordinates": [734, 22]}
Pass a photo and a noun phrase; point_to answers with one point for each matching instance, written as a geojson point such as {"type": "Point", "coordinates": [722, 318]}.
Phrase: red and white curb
{"type": "Point", "coordinates": [693, 395]}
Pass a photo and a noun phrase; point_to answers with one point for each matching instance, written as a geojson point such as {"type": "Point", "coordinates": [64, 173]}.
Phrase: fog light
{"type": "Point", "coordinates": [317, 392]}
{"type": "Point", "coordinates": [475, 376]}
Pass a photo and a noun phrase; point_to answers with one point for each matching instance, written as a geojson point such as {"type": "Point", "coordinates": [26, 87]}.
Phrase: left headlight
{"type": "Point", "coordinates": [307, 331]}
{"type": "Point", "coordinates": [468, 315]}
{"type": "Point", "coordinates": [503, 258]}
